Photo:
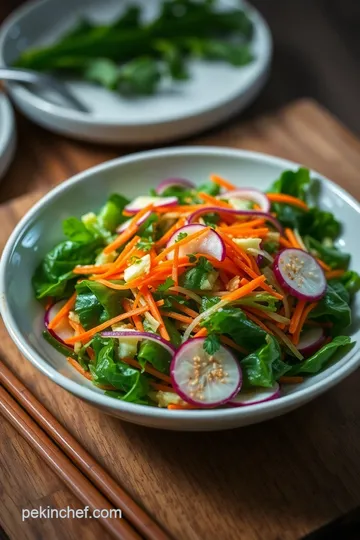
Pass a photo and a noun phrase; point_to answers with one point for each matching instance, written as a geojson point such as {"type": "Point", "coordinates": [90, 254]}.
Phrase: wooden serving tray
{"type": "Point", "coordinates": [273, 481]}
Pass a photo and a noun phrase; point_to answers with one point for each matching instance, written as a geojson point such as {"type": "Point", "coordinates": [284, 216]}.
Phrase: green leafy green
{"type": "Point", "coordinates": [212, 343]}
{"type": "Point", "coordinates": [104, 72]}
{"type": "Point", "coordinates": [334, 307]}
{"type": "Point", "coordinates": [111, 214]}
{"type": "Point", "coordinates": [210, 188]}
{"type": "Point", "coordinates": [76, 231]}
{"type": "Point", "coordinates": [264, 366]}
{"type": "Point", "coordinates": [294, 183]}
{"type": "Point", "coordinates": [96, 303]}
{"type": "Point", "coordinates": [62, 349]}
{"type": "Point", "coordinates": [181, 236]}
{"type": "Point", "coordinates": [350, 280]}
{"type": "Point", "coordinates": [107, 370]}
{"type": "Point", "coordinates": [154, 354]}
{"type": "Point", "coordinates": [174, 334]}
{"type": "Point", "coordinates": [163, 287]}
{"type": "Point", "coordinates": [233, 322]}
{"type": "Point", "coordinates": [319, 224]}
{"type": "Point", "coordinates": [330, 255]}
{"type": "Point", "coordinates": [319, 360]}
{"type": "Point", "coordinates": [145, 244]}
{"type": "Point", "coordinates": [195, 277]}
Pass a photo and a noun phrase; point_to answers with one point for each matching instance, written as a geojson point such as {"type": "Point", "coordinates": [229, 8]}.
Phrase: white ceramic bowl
{"type": "Point", "coordinates": [215, 91]}
{"type": "Point", "coordinates": [40, 229]}
{"type": "Point", "coordinates": [7, 134]}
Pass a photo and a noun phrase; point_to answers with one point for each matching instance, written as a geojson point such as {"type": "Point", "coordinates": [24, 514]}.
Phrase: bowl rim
{"type": "Point", "coordinates": [26, 96]}
{"type": "Point", "coordinates": [191, 416]}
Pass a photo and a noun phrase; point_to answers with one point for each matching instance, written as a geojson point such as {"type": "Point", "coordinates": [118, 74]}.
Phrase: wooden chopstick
{"type": "Point", "coordinates": [52, 430]}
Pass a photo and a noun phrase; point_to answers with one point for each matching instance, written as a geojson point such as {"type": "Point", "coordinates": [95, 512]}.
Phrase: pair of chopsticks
{"type": "Point", "coordinates": [71, 462]}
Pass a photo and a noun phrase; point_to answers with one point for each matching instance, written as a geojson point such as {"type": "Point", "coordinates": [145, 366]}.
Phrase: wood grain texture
{"type": "Point", "coordinates": [273, 481]}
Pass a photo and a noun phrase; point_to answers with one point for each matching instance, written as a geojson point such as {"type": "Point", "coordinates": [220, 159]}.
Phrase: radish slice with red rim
{"type": "Point", "coordinates": [300, 274]}
{"type": "Point", "coordinates": [203, 380]}
{"type": "Point", "coordinates": [311, 340]}
{"type": "Point", "coordinates": [249, 194]}
{"type": "Point", "coordinates": [121, 228]}
{"type": "Point", "coordinates": [174, 183]}
{"type": "Point", "coordinates": [63, 330]}
{"type": "Point", "coordinates": [141, 202]}
{"type": "Point", "coordinates": [257, 395]}
{"type": "Point", "coordinates": [236, 213]}
{"type": "Point", "coordinates": [208, 244]}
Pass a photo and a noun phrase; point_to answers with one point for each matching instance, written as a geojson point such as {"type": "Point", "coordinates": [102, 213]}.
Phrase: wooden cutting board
{"type": "Point", "coordinates": [273, 481]}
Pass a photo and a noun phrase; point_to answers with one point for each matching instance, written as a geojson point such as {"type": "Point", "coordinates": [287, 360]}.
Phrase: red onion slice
{"type": "Point", "coordinates": [311, 340]}
{"type": "Point", "coordinates": [174, 182]}
{"type": "Point", "coordinates": [141, 335]}
{"type": "Point", "coordinates": [141, 202]}
{"type": "Point", "coordinates": [63, 330]}
{"type": "Point", "coordinates": [249, 194]}
{"type": "Point", "coordinates": [228, 211]}
{"type": "Point", "coordinates": [203, 380]}
{"type": "Point", "coordinates": [209, 244]}
{"type": "Point", "coordinates": [257, 395]}
{"type": "Point", "coordinates": [300, 274]}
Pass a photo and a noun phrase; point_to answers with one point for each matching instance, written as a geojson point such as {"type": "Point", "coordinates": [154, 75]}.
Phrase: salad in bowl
{"type": "Point", "coordinates": [194, 297]}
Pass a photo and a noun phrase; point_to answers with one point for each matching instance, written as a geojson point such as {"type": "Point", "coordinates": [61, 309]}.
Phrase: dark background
{"type": "Point", "coordinates": [316, 53]}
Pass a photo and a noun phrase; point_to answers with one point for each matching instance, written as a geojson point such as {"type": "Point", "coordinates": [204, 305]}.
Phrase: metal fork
{"type": "Point", "coordinates": [41, 79]}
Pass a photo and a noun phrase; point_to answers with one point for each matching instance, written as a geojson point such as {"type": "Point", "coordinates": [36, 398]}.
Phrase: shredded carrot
{"type": "Point", "coordinates": [190, 312]}
{"type": "Point", "coordinates": [240, 251]}
{"type": "Point", "coordinates": [201, 333]}
{"type": "Point", "coordinates": [296, 318]}
{"type": "Point", "coordinates": [175, 407]}
{"type": "Point", "coordinates": [323, 265]}
{"type": "Point", "coordinates": [92, 269]}
{"type": "Point", "coordinates": [263, 315]}
{"type": "Point", "coordinates": [250, 272]}
{"type": "Point", "coordinates": [334, 274]}
{"type": "Point", "coordinates": [177, 316]}
{"type": "Point", "coordinates": [247, 233]}
{"type": "Point", "coordinates": [156, 314]}
{"type": "Point", "coordinates": [162, 387]}
{"type": "Point", "coordinates": [129, 232]}
{"type": "Point", "coordinates": [244, 281]}
{"type": "Point", "coordinates": [291, 380]}
{"type": "Point", "coordinates": [305, 313]}
{"type": "Point", "coordinates": [63, 312]}
{"type": "Point", "coordinates": [257, 321]}
{"type": "Point", "coordinates": [228, 341]}
{"type": "Point", "coordinates": [287, 199]}
{"type": "Point", "coordinates": [148, 369]}
{"type": "Point", "coordinates": [285, 243]}
{"type": "Point", "coordinates": [213, 201]}
{"type": "Point", "coordinates": [183, 209]}
{"type": "Point", "coordinates": [222, 182]}
{"type": "Point", "coordinates": [244, 290]}
{"type": "Point", "coordinates": [175, 268]}
{"type": "Point", "coordinates": [86, 335]}
{"type": "Point", "coordinates": [180, 243]}
{"type": "Point", "coordinates": [248, 224]}
{"type": "Point", "coordinates": [79, 368]}
{"type": "Point", "coordinates": [166, 237]}
{"type": "Point", "coordinates": [292, 238]}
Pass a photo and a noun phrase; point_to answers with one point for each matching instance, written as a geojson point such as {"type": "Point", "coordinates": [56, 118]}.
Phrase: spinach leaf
{"type": "Point", "coordinates": [330, 255]}
{"type": "Point", "coordinates": [76, 231]}
{"type": "Point", "coordinates": [106, 370]}
{"type": "Point", "coordinates": [319, 360]}
{"type": "Point", "coordinates": [264, 366]}
{"type": "Point", "coordinates": [174, 334]}
{"type": "Point", "coordinates": [334, 306]}
{"type": "Point", "coordinates": [233, 322]}
{"type": "Point", "coordinates": [350, 280]}
{"type": "Point", "coordinates": [62, 349]}
{"type": "Point", "coordinates": [210, 188]}
{"type": "Point", "coordinates": [96, 303]}
{"type": "Point", "coordinates": [139, 76]}
{"type": "Point", "coordinates": [111, 214]}
{"type": "Point", "coordinates": [319, 224]}
{"type": "Point", "coordinates": [154, 354]}
{"type": "Point", "coordinates": [294, 183]}
{"type": "Point", "coordinates": [53, 275]}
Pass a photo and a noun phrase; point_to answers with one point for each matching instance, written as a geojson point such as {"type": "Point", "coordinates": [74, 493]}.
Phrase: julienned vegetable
{"type": "Point", "coordinates": [199, 297]}
{"type": "Point", "coordinates": [132, 55]}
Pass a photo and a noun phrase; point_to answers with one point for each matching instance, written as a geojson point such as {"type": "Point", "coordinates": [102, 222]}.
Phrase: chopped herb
{"type": "Point", "coordinates": [163, 287]}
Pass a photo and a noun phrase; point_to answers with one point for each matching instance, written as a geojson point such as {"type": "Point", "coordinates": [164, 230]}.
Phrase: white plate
{"type": "Point", "coordinates": [136, 174]}
{"type": "Point", "coordinates": [7, 134]}
{"type": "Point", "coordinates": [215, 91]}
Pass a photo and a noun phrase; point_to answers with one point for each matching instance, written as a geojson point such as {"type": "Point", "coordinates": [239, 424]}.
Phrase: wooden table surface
{"type": "Point", "coordinates": [274, 481]}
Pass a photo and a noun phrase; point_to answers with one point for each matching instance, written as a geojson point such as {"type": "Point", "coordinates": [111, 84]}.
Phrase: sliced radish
{"type": "Point", "coordinates": [311, 340]}
{"type": "Point", "coordinates": [208, 244]}
{"type": "Point", "coordinates": [141, 202]}
{"type": "Point", "coordinates": [204, 380]}
{"type": "Point", "coordinates": [127, 223]}
{"type": "Point", "coordinates": [300, 274]}
{"type": "Point", "coordinates": [257, 395]}
{"type": "Point", "coordinates": [249, 194]}
{"type": "Point", "coordinates": [63, 330]}
{"type": "Point", "coordinates": [236, 213]}
{"type": "Point", "coordinates": [130, 334]}
{"type": "Point", "coordinates": [174, 182]}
